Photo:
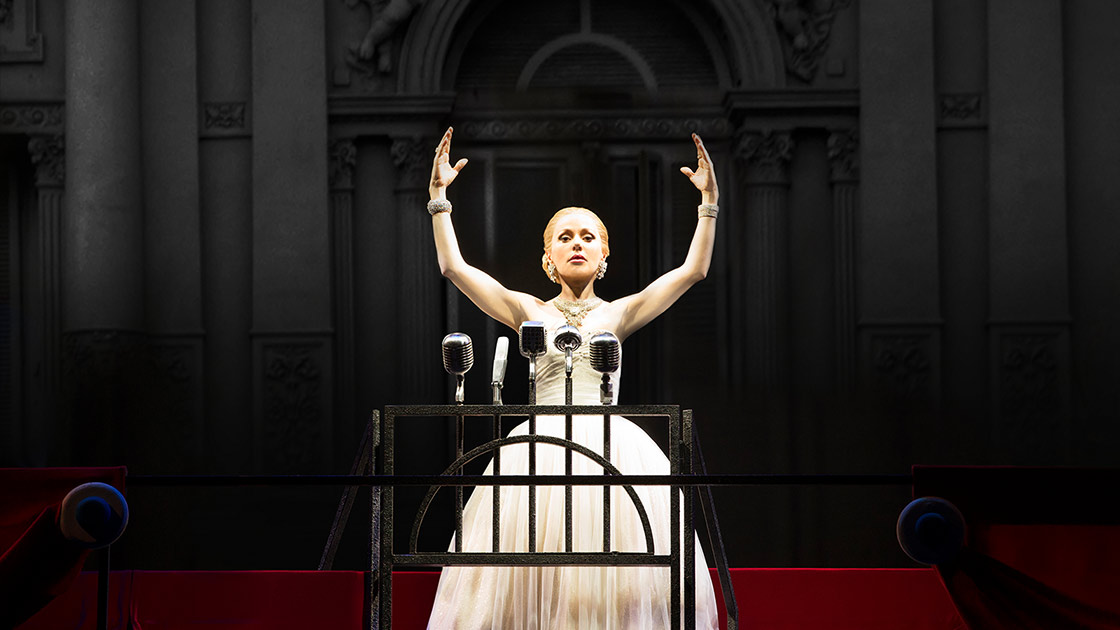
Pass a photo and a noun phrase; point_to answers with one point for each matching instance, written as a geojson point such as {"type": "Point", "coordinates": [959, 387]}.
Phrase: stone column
{"type": "Point", "coordinates": [843, 160]}
{"type": "Point", "coordinates": [291, 263]}
{"type": "Point", "coordinates": [1029, 290]}
{"type": "Point", "coordinates": [102, 247]}
{"type": "Point", "coordinates": [173, 310]}
{"type": "Point", "coordinates": [48, 154]}
{"type": "Point", "coordinates": [766, 156]}
{"type": "Point", "coordinates": [418, 300]}
{"type": "Point", "coordinates": [225, 156]}
{"type": "Point", "coordinates": [898, 230]}
{"type": "Point", "coordinates": [343, 159]}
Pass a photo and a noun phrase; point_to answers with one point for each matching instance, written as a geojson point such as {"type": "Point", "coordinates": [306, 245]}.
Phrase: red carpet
{"type": "Point", "coordinates": [769, 599]}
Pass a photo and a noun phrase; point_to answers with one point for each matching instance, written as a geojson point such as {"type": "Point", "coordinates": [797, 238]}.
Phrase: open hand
{"type": "Point", "coordinates": [704, 177]}
{"type": "Point", "coordinates": [442, 171]}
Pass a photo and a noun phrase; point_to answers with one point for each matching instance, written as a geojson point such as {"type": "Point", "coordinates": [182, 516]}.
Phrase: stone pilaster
{"type": "Point", "coordinates": [225, 157]}
{"type": "Point", "coordinates": [843, 157]}
{"type": "Point", "coordinates": [48, 155]}
{"type": "Point", "coordinates": [419, 303]}
{"type": "Point", "coordinates": [763, 160]}
{"type": "Point", "coordinates": [343, 156]}
{"type": "Point", "coordinates": [766, 156]}
{"type": "Point", "coordinates": [898, 228]}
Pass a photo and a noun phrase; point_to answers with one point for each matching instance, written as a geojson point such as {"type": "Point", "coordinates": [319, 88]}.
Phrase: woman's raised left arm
{"type": "Point", "coordinates": [639, 309]}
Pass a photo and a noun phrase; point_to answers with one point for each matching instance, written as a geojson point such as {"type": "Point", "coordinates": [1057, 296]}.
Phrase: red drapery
{"type": "Point", "coordinates": [769, 599]}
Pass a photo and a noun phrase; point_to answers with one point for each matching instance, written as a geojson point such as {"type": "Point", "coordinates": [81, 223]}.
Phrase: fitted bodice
{"type": "Point", "coordinates": [585, 380]}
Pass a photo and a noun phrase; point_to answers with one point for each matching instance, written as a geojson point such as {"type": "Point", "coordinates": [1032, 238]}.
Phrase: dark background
{"type": "Point", "coordinates": [215, 257]}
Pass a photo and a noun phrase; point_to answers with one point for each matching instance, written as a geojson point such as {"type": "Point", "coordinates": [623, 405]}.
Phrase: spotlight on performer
{"type": "Point", "coordinates": [458, 358]}
{"type": "Point", "coordinates": [606, 353]}
{"type": "Point", "coordinates": [567, 341]}
{"type": "Point", "coordinates": [532, 344]}
{"type": "Point", "coordinates": [499, 373]}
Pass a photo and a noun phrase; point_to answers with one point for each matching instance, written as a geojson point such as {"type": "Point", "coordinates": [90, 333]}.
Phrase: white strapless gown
{"type": "Point", "coordinates": [553, 598]}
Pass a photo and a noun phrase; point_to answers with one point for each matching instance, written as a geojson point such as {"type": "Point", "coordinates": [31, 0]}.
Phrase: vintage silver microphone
{"type": "Point", "coordinates": [532, 344]}
{"type": "Point", "coordinates": [606, 354]}
{"type": "Point", "coordinates": [458, 358]}
{"type": "Point", "coordinates": [499, 373]}
{"type": "Point", "coordinates": [567, 339]}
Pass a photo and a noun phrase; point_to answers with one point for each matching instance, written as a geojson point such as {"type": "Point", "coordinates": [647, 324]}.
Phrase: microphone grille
{"type": "Point", "coordinates": [606, 353]}
{"type": "Point", "coordinates": [458, 353]}
{"type": "Point", "coordinates": [567, 338]}
{"type": "Point", "coordinates": [530, 338]}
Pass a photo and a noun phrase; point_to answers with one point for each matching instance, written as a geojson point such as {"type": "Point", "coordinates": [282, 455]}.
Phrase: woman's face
{"type": "Point", "coordinates": [576, 247]}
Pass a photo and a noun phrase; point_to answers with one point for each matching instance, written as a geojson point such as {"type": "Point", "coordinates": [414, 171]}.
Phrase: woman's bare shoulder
{"type": "Point", "coordinates": [532, 307]}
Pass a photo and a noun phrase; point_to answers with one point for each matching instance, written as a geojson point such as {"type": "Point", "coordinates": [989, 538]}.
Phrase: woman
{"type": "Point", "coordinates": [576, 249]}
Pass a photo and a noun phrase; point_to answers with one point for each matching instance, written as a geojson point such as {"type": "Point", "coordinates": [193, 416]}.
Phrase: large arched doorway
{"type": "Point", "coordinates": [580, 103]}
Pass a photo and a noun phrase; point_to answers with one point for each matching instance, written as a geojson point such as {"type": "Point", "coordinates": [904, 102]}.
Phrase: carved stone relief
{"type": "Point", "coordinates": [295, 391]}
{"type": "Point", "coordinates": [903, 363]}
{"type": "Point", "coordinates": [20, 39]}
{"type": "Point", "coordinates": [805, 26]}
{"type": "Point", "coordinates": [31, 119]}
{"type": "Point", "coordinates": [1031, 390]}
{"type": "Point", "coordinates": [960, 110]}
{"type": "Point", "coordinates": [372, 56]}
{"type": "Point", "coordinates": [225, 119]}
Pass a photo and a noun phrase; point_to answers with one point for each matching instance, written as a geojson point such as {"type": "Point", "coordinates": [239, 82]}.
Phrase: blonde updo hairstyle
{"type": "Point", "coordinates": [550, 228]}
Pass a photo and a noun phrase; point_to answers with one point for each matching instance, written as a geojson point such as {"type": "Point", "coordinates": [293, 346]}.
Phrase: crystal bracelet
{"type": "Point", "coordinates": [707, 210]}
{"type": "Point", "coordinates": [436, 206]}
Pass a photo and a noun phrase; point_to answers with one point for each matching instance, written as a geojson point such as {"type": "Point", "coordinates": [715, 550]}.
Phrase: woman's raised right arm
{"type": "Point", "coordinates": [508, 307]}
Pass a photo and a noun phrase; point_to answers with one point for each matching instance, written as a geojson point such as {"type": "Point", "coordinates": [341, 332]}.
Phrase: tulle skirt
{"type": "Point", "coordinates": [524, 598]}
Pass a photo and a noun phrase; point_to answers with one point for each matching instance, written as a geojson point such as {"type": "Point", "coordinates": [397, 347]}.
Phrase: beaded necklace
{"type": "Point", "coordinates": [575, 310]}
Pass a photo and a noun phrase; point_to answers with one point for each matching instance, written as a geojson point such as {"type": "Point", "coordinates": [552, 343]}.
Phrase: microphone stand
{"type": "Point", "coordinates": [532, 379]}
{"type": "Point", "coordinates": [460, 388]}
{"type": "Point", "coordinates": [568, 376]}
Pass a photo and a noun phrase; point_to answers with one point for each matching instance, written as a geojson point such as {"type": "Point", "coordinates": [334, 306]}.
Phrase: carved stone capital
{"type": "Point", "coordinates": [843, 155]}
{"type": "Point", "coordinates": [343, 155]}
{"type": "Point", "coordinates": [767, 155]}
{"type": "Point", "coordinates": [412, 157]}
{"type": "Point", "coordinates": [48, 153]}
